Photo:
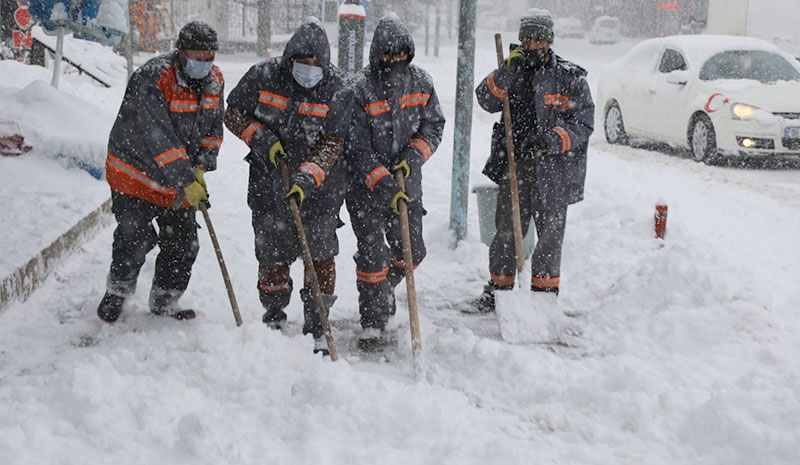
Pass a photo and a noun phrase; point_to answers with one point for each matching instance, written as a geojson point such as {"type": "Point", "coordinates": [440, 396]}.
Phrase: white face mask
{"type": "Point", "coordinates": [307, 76]}
{"type": "Point", "coordinates": [197, 69]}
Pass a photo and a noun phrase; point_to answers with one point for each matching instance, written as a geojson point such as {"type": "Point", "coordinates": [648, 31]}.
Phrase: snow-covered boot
{"type": "Point", "coordinates": [484, 303]}
{"type": "Point", "coordinates": [165, 303]}
{"type": "Point", "coordinates": [110, 307]}
{"type": "Point", "coordinates": [312, 324]}
{"type": "Point", "coordinates": [372, 340]}
{"type": "Point", "coordinates": [321, 346]}
{"type": "Point", "coordinates": [274, 318]}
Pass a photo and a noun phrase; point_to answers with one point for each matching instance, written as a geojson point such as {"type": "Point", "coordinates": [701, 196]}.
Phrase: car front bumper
{"type": "Point", "coordinates": [772, 137]}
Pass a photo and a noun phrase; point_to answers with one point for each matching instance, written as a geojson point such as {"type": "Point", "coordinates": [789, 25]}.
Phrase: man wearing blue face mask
{"type": "Point", "coordinates": [295, 108]}
{"type": "Point", "coordinates": [167, 134]}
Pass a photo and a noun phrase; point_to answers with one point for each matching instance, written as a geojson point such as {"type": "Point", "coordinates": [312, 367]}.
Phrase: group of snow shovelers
{"type": "Point", "coordinates": [317, 140]}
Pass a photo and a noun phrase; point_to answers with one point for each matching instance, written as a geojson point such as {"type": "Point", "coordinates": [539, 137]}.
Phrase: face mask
{"type": "Point", "coordinates": [537, 58]}
{"type": "Point", "coordinates": [197, 69]}
{"type": "Point", "coordinates": [392, 71]}
{"type": "Point", "coordinates": [307, 76]}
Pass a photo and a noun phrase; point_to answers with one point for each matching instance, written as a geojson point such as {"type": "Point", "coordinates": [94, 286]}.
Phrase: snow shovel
{"type": "Point", "coordinates": [309, 265]}
{"type": "Point", "coordinates": [234, 306]}
{"type": "Point", "coordinates": [408, 263]}
{"type": "Point", "coordinates": [523, 316]}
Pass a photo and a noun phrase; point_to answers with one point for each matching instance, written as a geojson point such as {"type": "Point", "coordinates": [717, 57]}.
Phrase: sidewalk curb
{"type": "Point", "coordinates": [20, 285]}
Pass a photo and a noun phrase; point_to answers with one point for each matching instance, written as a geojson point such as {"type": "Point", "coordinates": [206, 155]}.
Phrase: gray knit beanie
{"type": "Point", "coordinates": [537, 24]}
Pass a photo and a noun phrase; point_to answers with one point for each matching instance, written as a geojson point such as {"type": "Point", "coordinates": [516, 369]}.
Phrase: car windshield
{"type": "Point", "coordinates": [757, 65]}
{"type": "Point", "coordinates": [611, 23]}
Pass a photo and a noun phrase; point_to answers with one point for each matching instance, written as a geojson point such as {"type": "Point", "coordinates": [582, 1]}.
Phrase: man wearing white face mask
{"type": "Point", "coordinates": [168, 132]}
{"type": "Point", "coordinates": [294, 107]}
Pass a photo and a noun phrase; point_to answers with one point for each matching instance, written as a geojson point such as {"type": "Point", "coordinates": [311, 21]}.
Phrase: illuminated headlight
{"type": "Point", "coordinates": [743, 111]}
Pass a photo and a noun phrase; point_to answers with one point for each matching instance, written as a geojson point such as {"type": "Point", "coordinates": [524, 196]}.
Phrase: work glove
{"type": "Point", "coordinates": [195, 193]}
{"type": "Point", "coordinates": [516, 59]}
{"type": "Point", "coordinates": [405, 167]}
{"type": "Point", "coordinates": [296, 190]}
{"type": "Point", "coordinates": [396, 201]}
{"type": "Point", "coordinates": [198, 173]}
{"type": "Point", "coordinates": [275, 151]}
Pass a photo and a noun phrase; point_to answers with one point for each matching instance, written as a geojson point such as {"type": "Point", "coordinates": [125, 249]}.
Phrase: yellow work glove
{"type": "Point", "coordinates": [396, 200]}
{"type": "Point", "coordinates": [405, 167]}
{"type": "Point", "coordinates": [198, 173]}
{"type": "Point", "coordinates": [296, 189]}
{"type": "Point", "coordinates": [515, 55]}
{"type": "Point", "coordinates": [274, 151]}
{"type": "Point", "coordinates": [195, 193]}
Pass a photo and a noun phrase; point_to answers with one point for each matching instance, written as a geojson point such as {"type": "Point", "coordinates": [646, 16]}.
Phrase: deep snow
{"type": "Point", "coordinates": [687, 353]}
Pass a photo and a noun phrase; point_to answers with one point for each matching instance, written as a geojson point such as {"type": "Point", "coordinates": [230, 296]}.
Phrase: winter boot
{"type": "Point", "coordinates": [110, 307]}
{"type": "Point", "coordinates": [313, 324]}
{"type": "Point", "coordinates": [274, 318]}
{"type": "Point", "coordinates": [484, 303]}
{"type": "Point", "coordinates": [372, 340]}
{"type": "Point", "coordinates": [165, 303]}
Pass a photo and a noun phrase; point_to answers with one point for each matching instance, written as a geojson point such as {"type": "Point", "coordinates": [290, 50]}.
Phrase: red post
{"type": "Point", "coordinates": [660, 219]}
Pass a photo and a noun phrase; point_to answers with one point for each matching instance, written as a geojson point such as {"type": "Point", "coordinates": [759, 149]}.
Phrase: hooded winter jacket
{"type": "Point", "coordinates": [551, 105]}
{"type": "Point", "coordinates": [164, 128]}
{"type": "Point", "coordinates": [310, 124]}
{"type": "Point", "coordinates": [391, 124]}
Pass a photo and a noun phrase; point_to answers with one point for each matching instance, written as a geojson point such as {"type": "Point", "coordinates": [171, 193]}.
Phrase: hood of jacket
{"type": "Point", "coordinates": [309, 39]}
{"type": "Point", "coordinates": [389, 33]}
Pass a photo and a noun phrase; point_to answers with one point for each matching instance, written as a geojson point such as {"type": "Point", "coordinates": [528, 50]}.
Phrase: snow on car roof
{"type": "Point", "coordinates": [699, 48]}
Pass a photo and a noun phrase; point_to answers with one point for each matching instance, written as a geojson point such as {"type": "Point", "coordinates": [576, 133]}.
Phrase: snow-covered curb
{"type": "Point", "coordinates": [21, 284]}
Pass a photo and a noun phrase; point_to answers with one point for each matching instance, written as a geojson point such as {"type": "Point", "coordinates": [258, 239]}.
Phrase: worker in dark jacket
{"type": "Point", "coordinates": [167, 134]}
{"type": "Point", "coordinates": [397, 125]}
{"type": "Point", "coordinates": [552, 117]}
{"type": "Point", "coordinates": [296, 108]}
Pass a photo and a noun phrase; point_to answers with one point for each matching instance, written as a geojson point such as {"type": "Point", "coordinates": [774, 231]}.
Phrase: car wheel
{"type": "Point", "coordinates": [614, 126]}
{"type": "Point", "coordinates": [703, 139]}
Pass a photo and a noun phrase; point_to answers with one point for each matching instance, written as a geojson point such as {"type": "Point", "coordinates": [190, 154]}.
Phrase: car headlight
{"type": "Point", "coordinates": [743, 111]}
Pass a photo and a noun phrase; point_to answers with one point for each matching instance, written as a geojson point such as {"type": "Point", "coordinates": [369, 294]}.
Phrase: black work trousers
{"type": "Point", "coordinates": [135, 236]}
{"type": "Point", "coordinates": [550, 225]}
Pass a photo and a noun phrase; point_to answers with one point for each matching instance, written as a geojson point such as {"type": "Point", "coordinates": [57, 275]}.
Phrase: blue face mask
{"type": "Point", "coordinates": [307, 76]}
{"type": "Point", "coordinates": [197, 69]}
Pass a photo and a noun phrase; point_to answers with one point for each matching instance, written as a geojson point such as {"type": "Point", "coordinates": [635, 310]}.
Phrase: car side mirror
{"type": "Point", "coordinates": [678, 77]}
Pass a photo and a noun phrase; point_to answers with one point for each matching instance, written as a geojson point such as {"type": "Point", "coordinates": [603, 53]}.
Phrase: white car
{"type": "Point", "coordinates": [568, 28]}
{"type": "Point", "coordinates": [716, 95]}
{"type": "Point", "coordinates": [605, 30]}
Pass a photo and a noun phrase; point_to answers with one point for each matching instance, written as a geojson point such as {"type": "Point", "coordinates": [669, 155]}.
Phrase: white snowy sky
{"type": "Point", "coordinates": [687, 353]}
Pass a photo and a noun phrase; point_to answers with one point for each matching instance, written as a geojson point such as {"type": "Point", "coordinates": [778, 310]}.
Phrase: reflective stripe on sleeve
{"type": "Point", "coordinates": [422, 146]}
{"type": "Point", "coordinates": [313, 109]}
{"type": "Point", "coordinates": [211, 142]}
{"type": "Point", "coordinates": [169, 156]}
{"type": "Point", "coordinates": [375, 176]}
{"type": "Point", "coordinates": [414, 99]}
{"type": "Point", "coordinates": [377, 108]}
{"type": "Point", "coordinates": [248, 132]}
{"type": "Point", "coordinates": [494, 89]}
{"type": "Point", "coordinates": [314, 170]}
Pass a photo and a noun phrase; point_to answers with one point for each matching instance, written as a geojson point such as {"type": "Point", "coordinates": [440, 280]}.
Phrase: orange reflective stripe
{"type": "Point", "coordinates": [211, 142]}
{"type": "Point", "coordinates": [545, 283]}
{"type": "Point", "coordinates": [494, 89]}
{"type": "Point", "coordinates": [183, 106]}
{"type": "Point", "coordinates": [210, 102]}
{"type": "Point", "coordinates": [414, 99]}
{"type": "Point", "coordinates": [169, 156]}
{"type": "Point", "coordinates": [375, 176]}
{"type": "Point", "coordinates": [248, 132]}
{"type": "Point", "coordinates": [556, 96]}
{"type": "Point", "coordinates": [373, 277]}
{"type": "Point", "coordinates": [377, 108]}
{"type": "Point", "coordinates": [401, 264]}
{"type": "Point", "coordinates": [503, 280]}
{"type": "Point", "coordinates": [314, 170]}
{"type": "Point", "coordinates": [275, 288]}
{"type": "Point", "coordinates": [422, 146]}
{"type": "Point", "coordinates": [273, 99]}
{"type": "Point", "coordinates": [313, 109]}
{"type": "Point", "coordinates": [566, 141]}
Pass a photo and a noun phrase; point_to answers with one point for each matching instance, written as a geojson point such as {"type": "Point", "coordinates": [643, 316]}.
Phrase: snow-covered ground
{"type": "Point", "coordinates": [687, 353]}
